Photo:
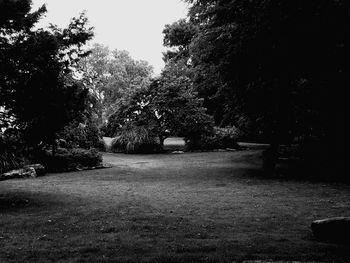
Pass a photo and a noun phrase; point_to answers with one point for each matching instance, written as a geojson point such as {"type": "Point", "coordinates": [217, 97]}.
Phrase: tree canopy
{"type": "Point", "coordinates": [168, 106]}
{"type": "Point", "coordinates": [279, 63]}
{"type": "Point", "coordinates": [276, 69]}
{"type": "Point", "coordinates": [39, 90]}
{"type": "Point", "coordinates": [177, 38]}
{"type": "Point", "coordinates": [112, 75]}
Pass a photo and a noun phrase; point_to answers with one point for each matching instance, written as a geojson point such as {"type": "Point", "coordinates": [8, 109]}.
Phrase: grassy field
{"type": "Point", "coordinates": [192, 207]}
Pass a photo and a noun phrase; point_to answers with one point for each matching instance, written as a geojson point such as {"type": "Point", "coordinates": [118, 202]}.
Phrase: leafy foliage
{"type": "Point", "coordinates": [80, 135]}
{"type": "Point", "coordinates": [280, 66]}
{"type": "Point", "coordinates": [168, 106]}
{"type": "Point", "coordinates": [70, 160]}
{"type": "Point", "coordinates": [9, 158]}
{"type": "Point", "coordinates": [219, 138]}
{"type": "Point", "coordinates": [112, 75]}
{"type": "Point", "coordinates": [277, 61]}
{"type": "Point", "coordinates": [177, 38]}
{"type": "Point", "coordinates": [13, 150]}
{"type": "Point", "coordinates": [39, 92]}
{"type": "Point", "coordinates": [135, 139]}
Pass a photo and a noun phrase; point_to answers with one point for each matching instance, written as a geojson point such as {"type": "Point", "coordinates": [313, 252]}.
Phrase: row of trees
{"type": "Point", "coordinates": [53, 88]}
{"type": "Point", "coordinates": [56, 92]}
{"type": "Point", "coordinates": [272, 68]}
{"type": "Point", "coordinates": [276, 69]}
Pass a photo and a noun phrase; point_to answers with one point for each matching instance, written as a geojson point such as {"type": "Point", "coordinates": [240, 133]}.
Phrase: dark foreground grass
{"type": "Point", "coordinates": [193, 207]}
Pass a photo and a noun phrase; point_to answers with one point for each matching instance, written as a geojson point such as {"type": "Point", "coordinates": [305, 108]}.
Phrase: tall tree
{"type": "Point", "coordinates": [112, 75]}
{"type": "Point", "coordinates": [178, 39]}
{"type": "Point", "coordinates": [168, 106]}
{"type": "Point", "coordinates": [283, 64]}
{"type": "Point", "coordinates": [39, 90]}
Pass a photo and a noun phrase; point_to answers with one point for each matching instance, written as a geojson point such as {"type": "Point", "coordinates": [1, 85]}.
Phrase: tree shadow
{"type": "Point", "coordinates": [14, 201]}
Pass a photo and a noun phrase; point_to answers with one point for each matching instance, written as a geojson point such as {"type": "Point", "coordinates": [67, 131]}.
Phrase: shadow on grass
{"type": "Point", "coordinates": [14, 201]}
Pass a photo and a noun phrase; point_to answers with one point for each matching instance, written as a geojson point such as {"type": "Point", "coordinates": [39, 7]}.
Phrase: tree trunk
{"type": "Point", "coordinates": [270, 157]}
{"type": "Point", "coordinates": [54, 147]}
{"type": "Point", "coordinates": [161, 142]}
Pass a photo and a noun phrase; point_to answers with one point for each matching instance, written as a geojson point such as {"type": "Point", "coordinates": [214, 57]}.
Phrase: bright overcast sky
{"type": "Point", "coordinates": [132, 25]}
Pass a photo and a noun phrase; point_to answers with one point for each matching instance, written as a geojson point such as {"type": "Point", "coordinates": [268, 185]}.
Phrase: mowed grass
{"type": "Point", "coordinates": [192, 207]}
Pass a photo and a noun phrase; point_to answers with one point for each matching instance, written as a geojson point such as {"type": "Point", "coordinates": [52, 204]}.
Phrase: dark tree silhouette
{"type": "Point", "coordinates": [39, 92]}
{"type": "Point", "coordinates": [281, 64]}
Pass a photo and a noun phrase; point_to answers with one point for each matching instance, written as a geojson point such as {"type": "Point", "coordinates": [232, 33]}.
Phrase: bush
{"type": "Point", "coordinates": [9, 161]}
{"type": "Point", "coordinates": [135, 139]}
{"type": "Point", "coordinates": [220, 138]}
{"type": "Point", "coordinates": [101, 145]}
{"type": "Point", "coordinates": [11, 151]}
{"type": "Point", "coordinates": [70, 159]}
{"type": "Point", "coordinates": [78, 135]}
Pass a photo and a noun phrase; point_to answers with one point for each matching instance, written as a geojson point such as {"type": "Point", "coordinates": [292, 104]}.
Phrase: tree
{"type": "Point", "coordinates": [111, 75]}
{"type": "Point", "coordinates": [169, 105]}
{"type": "Point", "coordinates": [177, 38]}
{"type": "Point", "coordinates": [13, 21]}
{"type": "Point", "coordinates": [39, 90]}
{"type": "Point", "coordinates": [282, 64]}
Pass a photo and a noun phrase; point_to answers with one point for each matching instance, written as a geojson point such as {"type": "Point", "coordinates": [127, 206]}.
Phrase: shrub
{"type": "Point", "coordinates": [9, 161]}
{"type": "Point", "coordinates": [70, 159]}
{"type": "Point", "coordinates": [220, 138]}
{"type": "Point", "coordinates": [11, 151]}
{"type": "Point", "coordinates": [135, 139]}
{"type": "Point", "coordinates": [101, 145]}
{"type": "Point", "coordinates": [78, 135]}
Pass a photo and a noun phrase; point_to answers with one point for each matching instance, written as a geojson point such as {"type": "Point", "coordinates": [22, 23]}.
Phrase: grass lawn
{"type": "Point", "coordinates": [192, 207]}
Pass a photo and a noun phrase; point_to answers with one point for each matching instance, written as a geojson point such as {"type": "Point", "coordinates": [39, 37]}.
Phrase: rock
{"type": "Point", "coordinates": [39, 169]}
{"type": "Point", "coordinates": [19, 173]}
{"type": "Point", "coordinates": [231, 149]}
{"type": "Point", "coordinates": [32, 170]}
{"type": "Point", "coordinates": [336, 229]}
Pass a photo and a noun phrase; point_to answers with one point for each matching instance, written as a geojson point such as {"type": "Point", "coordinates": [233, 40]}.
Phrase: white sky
{"type": "Point", "coordinates": [132, 25]}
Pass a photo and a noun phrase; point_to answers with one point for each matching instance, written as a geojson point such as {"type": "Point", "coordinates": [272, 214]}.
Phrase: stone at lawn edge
{"type": "Point", "coordinates": [32, 170]}
{"type": "Point", "coordinates": [335, 229]}
{"type": "Point", "coordinates": [19, 173]}
{"type": "Point", "coordinates": [178, 152]}
{"type": "Point", "coordinates": [39, 169]}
